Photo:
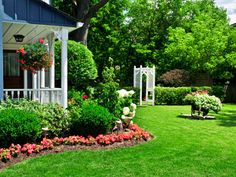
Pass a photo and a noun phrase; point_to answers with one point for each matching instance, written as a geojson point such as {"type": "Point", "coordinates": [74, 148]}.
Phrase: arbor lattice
{"type": "Point", "coordinates": [150, 83]}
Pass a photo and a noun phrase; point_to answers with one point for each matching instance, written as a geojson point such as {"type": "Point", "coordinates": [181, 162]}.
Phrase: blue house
{"type": "Point", "coordinates": [32, 20]}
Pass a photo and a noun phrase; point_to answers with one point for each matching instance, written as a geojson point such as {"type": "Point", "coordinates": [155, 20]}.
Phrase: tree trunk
{"type": "Point", "coordinates": [84, 13]}
{"type": "Point", "coordinates": [81, 34]}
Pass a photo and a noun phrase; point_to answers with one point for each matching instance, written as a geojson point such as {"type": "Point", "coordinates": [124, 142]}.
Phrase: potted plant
{"type": "Point", "coordinates": [34, 57]}
{"type": "Point", "coordinates": [201, 101]}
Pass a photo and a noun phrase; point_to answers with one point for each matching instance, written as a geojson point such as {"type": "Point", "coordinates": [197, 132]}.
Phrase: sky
{"type": "Point", "coordinates": [230, 5]}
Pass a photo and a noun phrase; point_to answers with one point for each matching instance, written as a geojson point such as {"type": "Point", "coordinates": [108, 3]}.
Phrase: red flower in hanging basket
{"type": "Point", "coordinates": [34, 57]}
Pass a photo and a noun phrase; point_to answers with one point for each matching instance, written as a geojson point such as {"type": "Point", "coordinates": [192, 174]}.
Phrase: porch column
{"type": "Point", "coordinates": [51, 43]}
{"type": "Point", "coordinates": [25, 82]}
{"type": "Point", "coordinates": [42, 78]}
{"type": "Point", "coordinates": [64, 67]}
{"type": "Point", "coordinates": [1, 52]}
{"type": "Point", "coordinates": [34, 86]}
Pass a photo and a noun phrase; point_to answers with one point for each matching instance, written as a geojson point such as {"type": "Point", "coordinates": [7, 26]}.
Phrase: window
{"type": "Point", "coordinates": [11, 64]}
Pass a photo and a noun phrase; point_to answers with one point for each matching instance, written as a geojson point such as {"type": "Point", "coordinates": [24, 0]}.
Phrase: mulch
{"type": "Point", "coordinates": [63, 148]}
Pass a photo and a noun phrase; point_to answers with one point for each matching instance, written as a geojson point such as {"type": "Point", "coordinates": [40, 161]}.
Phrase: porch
{"type": "Point", "coordinates": [34, 20]}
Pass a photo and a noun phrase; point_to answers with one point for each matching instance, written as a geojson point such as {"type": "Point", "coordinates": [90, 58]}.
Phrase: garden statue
{"type": "Point", "coordinates": [118, 127]}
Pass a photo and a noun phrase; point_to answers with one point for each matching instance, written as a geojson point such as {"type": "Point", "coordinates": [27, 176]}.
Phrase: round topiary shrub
{"type": "Point", "coordinates": [81, 66]}
{"type": "Point", "coordinates": [18, 126]}
{"type": "Point", "coordinates": [92, 119]}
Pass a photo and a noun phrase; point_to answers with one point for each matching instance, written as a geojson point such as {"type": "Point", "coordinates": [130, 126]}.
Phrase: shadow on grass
{"type": "Point", "coordinates": [195, 117]}
{"type": "Point", "coordinates": [227, 118]}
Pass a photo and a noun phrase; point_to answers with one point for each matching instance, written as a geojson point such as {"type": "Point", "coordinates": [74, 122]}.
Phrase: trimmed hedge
{"type": "Point", "coordinates": [91, 119]}
{"type": "Point", "coordinates": [18, 127]}
{"type": "Point", "coordinates": [175, 95]}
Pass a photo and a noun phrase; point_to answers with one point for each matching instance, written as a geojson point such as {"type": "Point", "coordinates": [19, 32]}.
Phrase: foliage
{"type": "Point", "coordinates": [81, 66]}
{"type": "Point", "coordinates": [200, 44]}
{"type": "Point", "coordinates": [18, 126]}
{"type": "Point", "coordinates": [136, 95]}
{"type": "Point", "coordinates": [76, 98]}
{"type": "Point", "coordinates": [190, 35]}
{"type": "Point", "coordinates": [202, 100]}
{"type": "Point", "coordinates": [109, 32]}
{"type": "Point", "coordinates": [135, 134]}
{"type": "Point", "coordinates": [176, 78]}
{"type": "Point", "coordinates": [34, 57]}
{"type": "Point", "coordinates": [51, 115]}
{"type": "Point", "coordinates": [175, 95]}
{"type": "Point", "coordinates": [125, 97]}
{"type": "Point", "coordinates": [83, 11]}
{"type": "Point", "coordinates": [94, 120]}
{"type": "Point", "coordinates": [183, 147]}
{"type": "Point", "coordinates": [108, 97]}
{"type": "Point", "coordinates": [171, 95]}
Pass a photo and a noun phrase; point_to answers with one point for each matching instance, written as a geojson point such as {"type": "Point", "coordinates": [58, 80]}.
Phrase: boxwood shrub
{"type": "Point", "coordinates": [175, 95]}
{"type": "Point", "coordinates": [51, 115]}
{"type": "Point", "coordinates": [91, 119]}
{"type": "Point", "coordinates": [18, 126]}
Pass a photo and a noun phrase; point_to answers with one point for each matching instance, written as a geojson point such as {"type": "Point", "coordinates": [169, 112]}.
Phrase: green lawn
{"type": "Point", "coordinates": [182, 147]}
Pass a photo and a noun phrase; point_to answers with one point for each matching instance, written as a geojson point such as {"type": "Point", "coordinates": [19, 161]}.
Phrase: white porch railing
{"type": "Point", "coordinates": [43, 95]}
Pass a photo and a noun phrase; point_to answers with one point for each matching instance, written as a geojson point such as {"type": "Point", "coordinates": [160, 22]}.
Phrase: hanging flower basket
{"type": "Point", "coordinates": [34, 57]}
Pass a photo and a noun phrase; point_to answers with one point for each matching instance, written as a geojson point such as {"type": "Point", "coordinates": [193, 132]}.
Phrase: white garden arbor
{"type": "Point", "coordinates": [149, 97]}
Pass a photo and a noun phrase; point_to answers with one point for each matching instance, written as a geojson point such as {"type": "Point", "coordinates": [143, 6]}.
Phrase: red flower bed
{"type": "Point", "coordinates": [135, 133]}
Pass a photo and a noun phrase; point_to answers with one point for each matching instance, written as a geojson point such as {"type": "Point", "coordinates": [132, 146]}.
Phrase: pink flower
{"type": "Point", "coordinates": [21, 50]}
{"type": "Point", "coordinates": [85, 97]}
{"type": "Point", "coordinates": [41, 41]}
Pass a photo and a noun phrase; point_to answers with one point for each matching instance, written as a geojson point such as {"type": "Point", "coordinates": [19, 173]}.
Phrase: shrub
{"type": "Point", "coordinates": [136, 95]}
{"type": "Point", "coordinates": [93, 120]}
{"type": "Point", "coordinates": [51, 115]}
{"type": "Point", "coordinates": [202, 100]}
{"type": "Point", "coordinates": [171, 95]}
{"type": "Point", "coordinates": [176, 78]}
{"type": "Point", "coordinates": [219, 91]}
{"type": "Point", "coordinates": [81, 66]}
{"type": "Point", "coordinates": [175, 95]}
{"type": "Point", "coordinates": [18, 126]}
{"type": "Point", "coordinates": [76, 98]}
{"type": "Point", "coordinates": [107, 97]}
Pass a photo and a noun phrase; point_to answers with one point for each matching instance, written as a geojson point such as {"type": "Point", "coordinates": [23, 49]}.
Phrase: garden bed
{"type": "Point", "coordinates": [17, 153]}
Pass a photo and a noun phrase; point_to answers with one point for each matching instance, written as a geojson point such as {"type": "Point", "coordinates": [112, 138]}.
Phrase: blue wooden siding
{"type": "Point", "coordinates": [35, 12]}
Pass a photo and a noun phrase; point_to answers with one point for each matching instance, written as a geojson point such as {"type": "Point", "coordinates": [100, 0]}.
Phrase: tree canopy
{"type": "Point", "coordinates": [193, 35]}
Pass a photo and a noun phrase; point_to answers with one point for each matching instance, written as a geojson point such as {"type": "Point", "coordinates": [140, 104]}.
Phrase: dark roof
{"type": "Point", "coordinates": [35, 12]}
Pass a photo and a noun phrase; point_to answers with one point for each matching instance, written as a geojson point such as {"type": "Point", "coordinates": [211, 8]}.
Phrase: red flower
{"type": "Point", "coordinates": [41, 41]}
{"type": "Point", "coordinates": [21, 50]}
{"type": "Point", "coordinates": [85, 97]}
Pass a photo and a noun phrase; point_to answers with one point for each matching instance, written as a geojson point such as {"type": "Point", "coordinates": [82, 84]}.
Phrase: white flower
{"type": "Point", "coordinates": [122, 93]}
{"type": "Point", "coordinates": [126, 111]}
{"type": "Point", "coordinates": [131, 92]}
{"type": "Point", "coordinates": [133, 106]}
{"type": "Point", "coordinates": [123, 117]}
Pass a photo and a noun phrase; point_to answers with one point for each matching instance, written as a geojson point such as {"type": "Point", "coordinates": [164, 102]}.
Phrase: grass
{"type": "Point", "coordinates": [182, 147]}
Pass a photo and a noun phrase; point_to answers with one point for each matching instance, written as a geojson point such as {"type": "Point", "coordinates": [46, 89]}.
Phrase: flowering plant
{"type": "Point", "coordinates": [34, 57]}
{"type": "Point", "coordinates": [135, 133]}
{"type": "Point", "coordinates": [202, 100]}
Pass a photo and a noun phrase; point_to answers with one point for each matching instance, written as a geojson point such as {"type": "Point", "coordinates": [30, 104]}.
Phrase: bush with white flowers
{"type": "Point", "coordinates": [127, 108]}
